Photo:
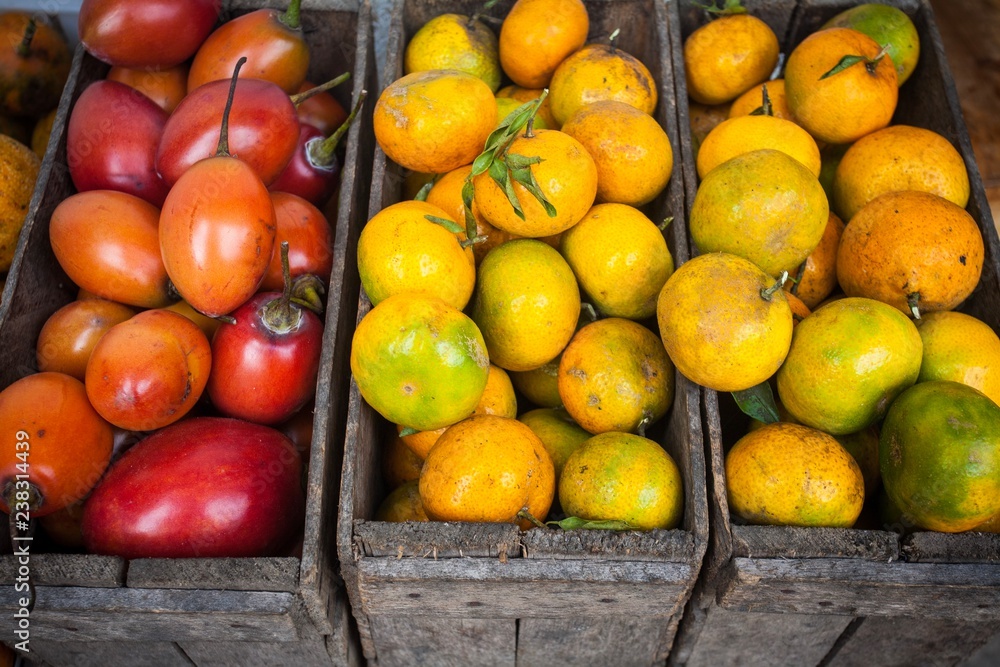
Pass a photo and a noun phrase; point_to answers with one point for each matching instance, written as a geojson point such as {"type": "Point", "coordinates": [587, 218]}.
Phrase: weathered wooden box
{"type": "Point", "coordinates": [99, 610]}
{"type": "Point", "coordinates": [795, 596]}
{"type": "Point", "coordinates": [487, 594]}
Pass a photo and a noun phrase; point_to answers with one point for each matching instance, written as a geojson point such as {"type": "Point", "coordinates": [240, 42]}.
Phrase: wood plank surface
{"type": "Point", "coordinates": [795, 542]}
{"type": "Point", "coordinates": [68, 570]}
{"type": "Point", "coordinates": [623, 641]}
{"type": "Point", "coordinates": [234, 574]}
{"type": "Point", "coordinates": [931, 547]}
{"type": "Point", "coordinates": [107, 654]}
{"type": "Point", "coordinates": [310, 653]}
{"type": "Point", "coordinates": [405, 641]}
{"type": "Point", "coordinates": [969, 592]}
{"type": "Point", "coordinates": [126, 614]}
{"type": "Point", "coordinates": [758, 639]}
{"type": "Point", "coordinates": [905, 641]}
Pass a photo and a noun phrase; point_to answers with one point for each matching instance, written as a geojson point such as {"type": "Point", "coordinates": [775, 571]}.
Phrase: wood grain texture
{"type": "Point", "coordinates": [311, 653]}
{"type": "Point", "coordinates": [902, 641]}
{"type": "Point", "coordinates": [235, 574]}
{"type": "Point", "coordinates": [105, 654]}
{"type": "Point", "coordinates": [930, 547]}
{"type": "Point", "coordinates": [519, 588]}
{"type": "Point", "coordinates": [68, 570]}
{"type": "Point", "coordinates": [756, 639]}
{"type": "Point", "coordinates": [546, 575]}
{"type": "Point", "coordinates": [404, 641]}
{"type": "Point", "coordinates": [795, 542]}
{"type": "Point", "coordinates": [124, 614]}
{"type": "Point", "coordinates": [623, 641]}
{"type": "Point", "coordinates": [864, 588]}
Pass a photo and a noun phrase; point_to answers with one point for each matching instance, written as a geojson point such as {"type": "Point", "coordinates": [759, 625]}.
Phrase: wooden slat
{"type": "Point", "coordinates": [863, 588]}
{"type": "Point", "coordinates": [623, 641]}
{"type": "Point", "coordinates": [655, 545]}
{"type": "Point", "coordinates": [755, 639]}
{"type": "Point", "coordinates": [125, 614]}
{"type": "Point", "coordinates": [902, 642]}
{"type": "Point", "coordinates": [67, 570]}
{"type": "Point", "coordinates": [311, 653]}
{"type": "Point", "coordinates": [438, 540]}
{"type": "Point", "coordinates": [794, 542]}
{"type": "Point", "coordinates": [104, 653]}
{"type": "Point", "coordinates": [930, 547]}
{"type": "Point", "coordinates": [235, 574]}
{"type": "Point", "coordinates": [520, 588]}
{"type": "Point", "coordinates": [404, 641]}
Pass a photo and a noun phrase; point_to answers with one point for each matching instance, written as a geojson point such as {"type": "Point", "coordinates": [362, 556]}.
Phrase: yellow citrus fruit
{"type": "Point", "coordinates": [419, 362]}
{"type": "Point", "coordinates": [434, 121]}
{"type": "Point", "coordinates": [845, 106]}
{"type": "Point", "coordinates": [523, 95]}
{"type": "Point", "coordinates": [632, 152]}
{"type": "Point", "coordinates": [899, 157]}
{"type": "Point", "coordinates": [18, 171]}
{"type": "Point", "coordinates": [739, 341]}
{"type": "Point", "coordinates": [487, 468]}
{"type": "Point", "coordinates": [792, 475]}
{"type": "Point", "coordinates": [615, 375]}
{"type": "Point", "coordinates": [498, 399]}
{"type": "Point", "coordinates": [623, 477]}
{"type": "Point", "coordinates": [764, 206]}
{"type": "Point", "coordinates": [847, 362]}
{"type": "Point", "coordinates": [939, 452]}
{"type": "Point", "coordinates": [455, 42]}
{"type": "Point", "coordinates": [863, 446]}
{"type": "Point", "coordinates": [753, 99]}
{"type": "Point", "coordinates": [401, 250]}
{"type": "Point", "coordinates": [537, 35]}
{"type": "Point", "coordinates": [960, 348]}
{"type": "Point", "coordinates": [816, 278]}
{"type": "Point", "coordinates": [727, 56]}
{"type": "Point", "coordinates": [399, 463]}
{"type": "Point", "coordinates": [599, 72]}
{"type": "Point", "coordinates": [887, 25]}
{"type": "Point", "coordinates": [991, 526]}
{"type": "Point", "coordinates": [557, 431]}
{"type": "Point", "coordinates": [446, 193]}
{"type": "Point", "coordinates": [620, 259]}
{"type": "Point", "coordinates": [885, 252]}
{"type": "Point", "coordinates": [402, 504]}
{"type": "Point", "coordinates": [743, 134]}
{"type": "Point", "coordinates": [567, 176]}
{"type": "Point", "coordinates": [527, 304]}
{"type": "Point", "coordinates": [540, 385]}
{"type": "Point", "coordinates": [507, 105]}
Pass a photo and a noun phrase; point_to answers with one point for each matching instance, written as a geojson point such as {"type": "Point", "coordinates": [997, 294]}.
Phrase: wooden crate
{"type": "Point", "coordinates": [798, 596]}
{"type": "Point", "coordinates": [104, 610]}
{"type": "Point", "coordinates": [488, 594]}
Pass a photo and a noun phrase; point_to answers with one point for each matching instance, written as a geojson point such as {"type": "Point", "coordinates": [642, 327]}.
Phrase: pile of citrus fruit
{"type": "Point", "coordinates": [806, 186]}
{"type": "Point", "coordinates": [511, 340]}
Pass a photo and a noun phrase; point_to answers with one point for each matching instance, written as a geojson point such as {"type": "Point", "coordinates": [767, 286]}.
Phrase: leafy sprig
{"type": "Point", "coordinates": [507, 168]}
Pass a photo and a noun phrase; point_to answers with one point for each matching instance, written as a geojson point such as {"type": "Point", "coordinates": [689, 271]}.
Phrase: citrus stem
{"type": "Point", "coordinates": [589, 311]}
{"type": "Point", "coordinates": [24, 48]}
{"type": "Point", "coordinates": [872, 63]}
{"type": "Point", "coordinates": [323, 153]}
{"type": "Point", "coordinates": [525, 514]}
{"type": "Point", "coordinates": [299, 98]}
{"type": "Point", "coordinates": [613, 39]}
{"type": "Point", "coordinates": [913, 301]}
{"type": "Point", "coordinates": [766, 101]}
{"type": "Point", "coordinates": [767, 293]}
{"type": "Point", "coordinates": [292, 17]}
{"type": "Point", "coordinates": [478, 14]}
{"type": "Point", "coordinates": [223, 149]}
{"type": "Point", "coordinates": [529, 126]}
{"type": "Point", "coordinates": [666, 223]}
{"type": "Point", "coordinates": [646, 421]}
